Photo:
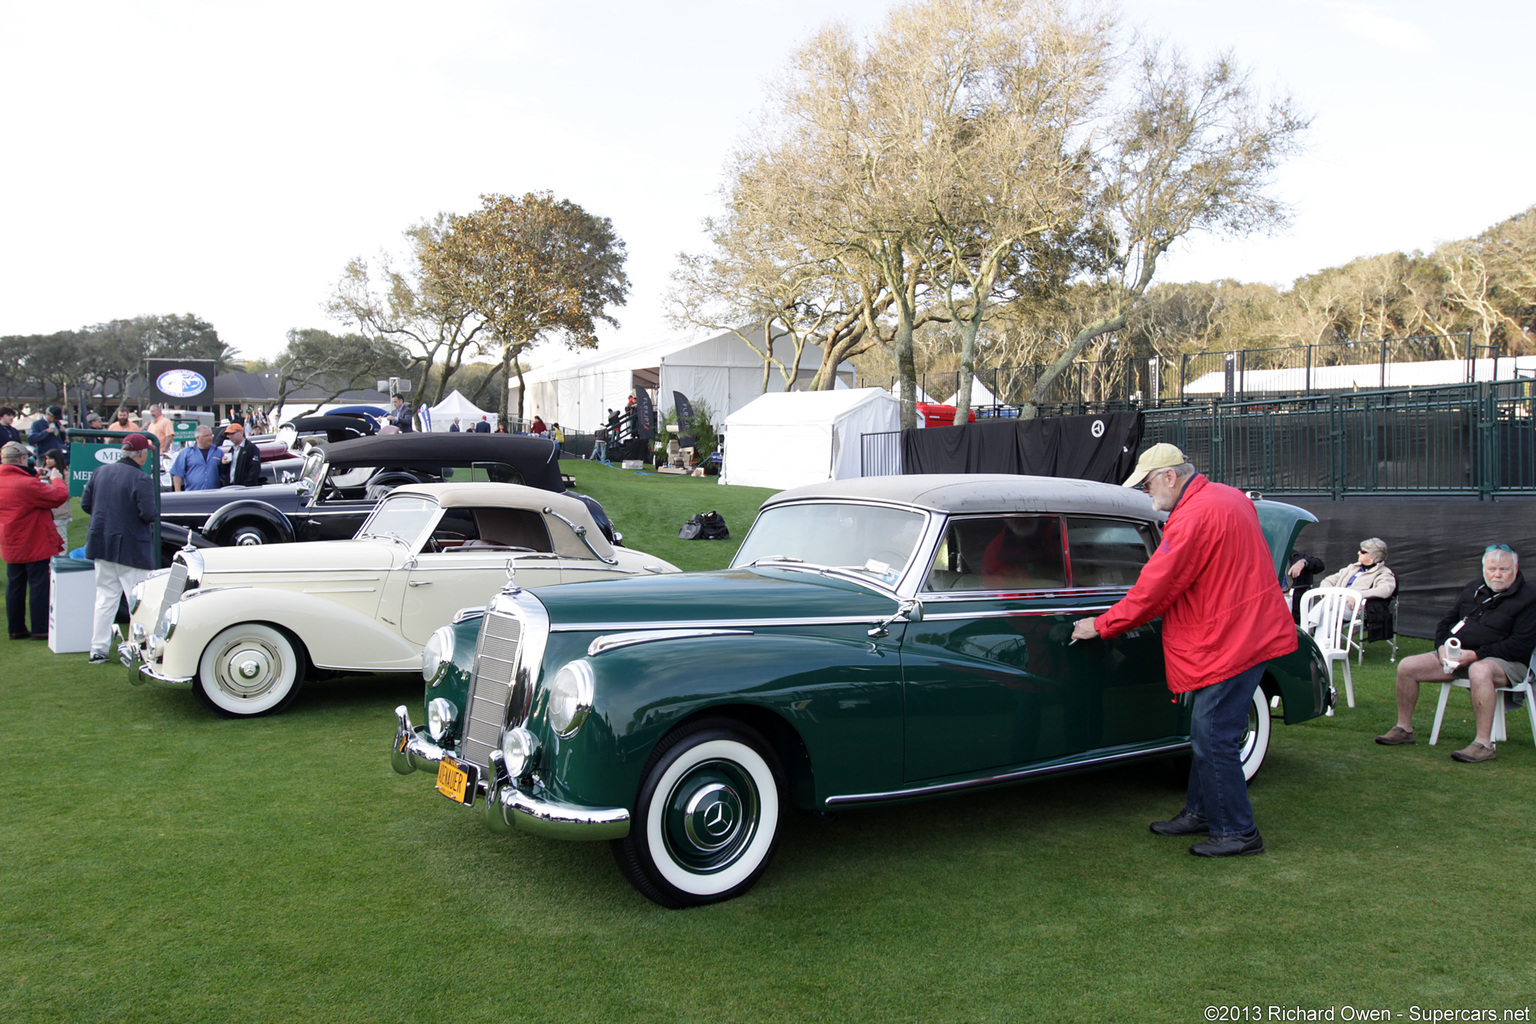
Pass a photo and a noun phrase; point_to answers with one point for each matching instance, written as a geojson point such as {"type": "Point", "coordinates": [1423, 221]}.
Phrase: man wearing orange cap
{"type": "Point", "coordinates": [1213, 581]}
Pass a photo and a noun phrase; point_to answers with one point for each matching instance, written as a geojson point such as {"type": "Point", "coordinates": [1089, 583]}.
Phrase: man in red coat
{"type": "Point", "coordinates": [1213, 581]}
{"type": "Point", "coordinates": [28, 539]}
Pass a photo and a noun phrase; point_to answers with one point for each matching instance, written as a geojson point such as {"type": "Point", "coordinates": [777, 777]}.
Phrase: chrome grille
{"type": "Point", "coordinates": [493, 689]}
{"type": "Point", "coordinates": [174, 586]}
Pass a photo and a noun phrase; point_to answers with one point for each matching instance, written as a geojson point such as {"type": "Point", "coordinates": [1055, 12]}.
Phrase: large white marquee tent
{"type": "Point", "coordinates": [721, 371]}
{"type": "Point", "coordinates": [804, 437]}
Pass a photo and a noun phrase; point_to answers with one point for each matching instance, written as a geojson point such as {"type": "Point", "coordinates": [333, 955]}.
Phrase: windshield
{"type": "Point", "coordinates": [870, 538]}
{"type": "Point", "coordinates": [314, 468]}
{"type": "Point", "coordinates": [402, 517]}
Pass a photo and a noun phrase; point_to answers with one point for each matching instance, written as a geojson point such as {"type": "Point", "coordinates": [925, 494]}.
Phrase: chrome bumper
{"type": "Point", "coordinates": [139, 671]}
{"type": "Point", "coordinates": [508, 807]}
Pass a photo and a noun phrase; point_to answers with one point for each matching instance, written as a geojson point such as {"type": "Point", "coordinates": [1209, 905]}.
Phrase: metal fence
{"type": "Point", "coordinates": [1477, 439]}
{"type": "Point", "coordinates": [1149, 381]}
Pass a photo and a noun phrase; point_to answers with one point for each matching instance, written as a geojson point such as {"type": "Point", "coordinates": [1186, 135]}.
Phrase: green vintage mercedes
{"type": "Point", "coordinates": [874, 640]}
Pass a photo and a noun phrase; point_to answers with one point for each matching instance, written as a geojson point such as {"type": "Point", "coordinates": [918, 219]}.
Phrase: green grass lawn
{"type": "Point", "coordinates": [163, 865]}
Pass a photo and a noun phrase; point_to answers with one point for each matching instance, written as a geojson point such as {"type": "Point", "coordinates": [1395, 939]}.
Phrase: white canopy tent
{"type": "Point", "coordinates": [720, 371]}
{"type": "Point", "coordinates": [468, 414]}
{"type": "Point", "coordinates": [804, 437]}
{"type": "Point", "coordinates": [979, 395]}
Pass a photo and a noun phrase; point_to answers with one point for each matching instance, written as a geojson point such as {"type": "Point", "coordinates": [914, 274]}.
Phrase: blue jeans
{"type": "Point", "coordinates": [1217, 723]}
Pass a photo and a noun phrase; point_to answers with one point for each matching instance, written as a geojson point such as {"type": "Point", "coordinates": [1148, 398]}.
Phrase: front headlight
{"type": "Point", "coordinates": [441, 714]}
{"type": "Point", "coordinates": [437, 655]}
{"type": "Point", "coordinates": [570, 698]}
{"type": "Point", "coordinates": [135, 597]}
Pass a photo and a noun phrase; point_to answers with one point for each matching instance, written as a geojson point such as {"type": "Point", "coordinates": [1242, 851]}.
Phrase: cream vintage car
{"type": "Point", "coordinates": [243, 625]}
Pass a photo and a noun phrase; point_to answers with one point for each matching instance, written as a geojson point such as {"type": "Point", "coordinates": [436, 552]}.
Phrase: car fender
{"type": "Point", "coordinates": [246, 509]}
{"type": "Point", "coordinates": [1301, 681]}
{"type": "Point", "coordinates": [841, 698]}
{"type": "Point", "coordinates": [335, 636]}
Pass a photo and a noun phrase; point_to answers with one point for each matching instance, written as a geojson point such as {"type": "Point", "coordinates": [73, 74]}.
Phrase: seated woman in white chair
{"type": "Point", "coordinates": [1368, 574]}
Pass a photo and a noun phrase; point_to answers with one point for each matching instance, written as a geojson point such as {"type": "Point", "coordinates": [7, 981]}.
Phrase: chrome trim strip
{"type": "Point", "coordinates": [1013, 613]}
{"type": "Point", "coordinates": [1006, 777]}
{"type": "Point", "coordinates": [613, 641]}
{"type": "Point", "coordinates": [742, 624]}
{"type": "Point", "coordinates": [1001, 595]}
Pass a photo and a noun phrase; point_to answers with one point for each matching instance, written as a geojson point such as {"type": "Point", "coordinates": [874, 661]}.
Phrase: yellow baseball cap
{"type": "Point", "coordinates": [1159, 456]}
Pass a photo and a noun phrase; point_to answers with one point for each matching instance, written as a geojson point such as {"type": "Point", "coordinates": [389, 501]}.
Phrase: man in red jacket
{"type": "Point", "coordinates": [1213, 581]}
{"type": "Point", "coordinates": [28, 539]}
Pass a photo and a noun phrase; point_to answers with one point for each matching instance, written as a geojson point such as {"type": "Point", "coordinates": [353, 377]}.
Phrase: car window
{"type": "Point", "coordinates": [480, 472]}
{"type": "Point", "coordinates": [513, 528]}
{"type": "Point", "coordinates": [456, 528]}
{"type": "Point", "coordinates": [1013, 552]}
{"type": "Point", "coordinates": [1106, 552]}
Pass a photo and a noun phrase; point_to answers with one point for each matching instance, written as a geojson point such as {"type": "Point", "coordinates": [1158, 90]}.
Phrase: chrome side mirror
{"type": "Point", "coordinates": [908, 610]}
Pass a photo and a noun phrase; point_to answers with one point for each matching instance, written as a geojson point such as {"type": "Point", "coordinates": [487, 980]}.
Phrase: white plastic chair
{"type": "Point", "coordinates": [1330, 615]}
{"type": "Point", "coordinates": [1499, 732]}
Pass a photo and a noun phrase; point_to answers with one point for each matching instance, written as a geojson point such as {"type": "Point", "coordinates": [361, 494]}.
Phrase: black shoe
{"type": "Point", "coordinates": [20, 636]}
{"type": "Point", "coordinates": [1230, 846]}
{"type": "Point", "coordinates": [1185, 823]}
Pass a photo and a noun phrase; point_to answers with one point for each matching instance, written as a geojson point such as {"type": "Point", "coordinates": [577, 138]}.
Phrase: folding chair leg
{"type": "Point", "coordinates": [1499, 735]}
{"type": "Point", "coordinates": [1349, 683]}
{"type": "Point", "coordinates": [1445, 695]}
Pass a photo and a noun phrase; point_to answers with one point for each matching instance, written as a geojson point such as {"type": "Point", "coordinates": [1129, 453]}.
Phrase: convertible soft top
{"type": "Point", "coordinates": [535, 458]}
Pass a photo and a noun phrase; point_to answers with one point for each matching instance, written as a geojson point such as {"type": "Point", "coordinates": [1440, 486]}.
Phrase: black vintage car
{"type": "Point", "coordinates": [342, 482]}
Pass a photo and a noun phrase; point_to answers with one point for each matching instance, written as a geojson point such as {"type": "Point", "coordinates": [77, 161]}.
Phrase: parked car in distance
{"type": "Point", "coordinates": [875, 640]}
{"type": "Point", "coordinates": [242, 625]}
{"type": "Point", "coordinates": [341, 483]}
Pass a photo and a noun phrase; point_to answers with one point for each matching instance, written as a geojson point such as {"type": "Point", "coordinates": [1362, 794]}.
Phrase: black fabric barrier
{"type": "Point", "coordinates": [1434, 545]}
{"type": "Point", "coordinates": [1102, 447]}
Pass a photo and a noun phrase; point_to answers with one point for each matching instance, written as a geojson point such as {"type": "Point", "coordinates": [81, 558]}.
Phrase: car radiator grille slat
{"type": "Point", "coordinates": [491, 689]}
{"type": "Point", "coordinates": [174, 587]}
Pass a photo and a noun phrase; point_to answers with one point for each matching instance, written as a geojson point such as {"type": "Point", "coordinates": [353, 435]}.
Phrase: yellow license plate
{"type": "Point", "coordinates": [452, 781]}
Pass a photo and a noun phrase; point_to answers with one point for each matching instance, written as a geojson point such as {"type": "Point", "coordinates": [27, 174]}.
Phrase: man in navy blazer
{"type": "Point", "coordinates": [120, 499]}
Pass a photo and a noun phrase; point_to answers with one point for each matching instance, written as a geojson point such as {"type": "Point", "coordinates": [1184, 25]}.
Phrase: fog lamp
{"type": "Point", "coordinates": [517, 748]}
{"type": "Point", "coordinates": [441, 714]}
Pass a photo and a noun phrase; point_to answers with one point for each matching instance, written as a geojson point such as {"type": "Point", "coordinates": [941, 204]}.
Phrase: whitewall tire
{"type": "Point", "coordinates": [249, 669]}
{"type": "Point", "coordinates": [707, 818]}
{"type": "Point", "coordinates": [1255, 742]}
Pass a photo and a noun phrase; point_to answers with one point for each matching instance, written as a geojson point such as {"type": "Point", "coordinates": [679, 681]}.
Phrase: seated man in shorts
{"type": "Point", "coordinates": [1494, 620]}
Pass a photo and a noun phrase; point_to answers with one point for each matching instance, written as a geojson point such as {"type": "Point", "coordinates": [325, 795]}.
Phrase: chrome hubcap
{"type": "Point", "coordinates": [711, 816]}
{"type": "Point", "coordinates": [248, 668]}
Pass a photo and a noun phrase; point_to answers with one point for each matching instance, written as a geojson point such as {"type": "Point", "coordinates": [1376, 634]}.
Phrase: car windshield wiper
{"type": "Point", "coordinates": [776, 560]}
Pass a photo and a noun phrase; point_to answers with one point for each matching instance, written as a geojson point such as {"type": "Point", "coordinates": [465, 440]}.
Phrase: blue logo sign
{"type": "Point", "coordinates": [181, 383]}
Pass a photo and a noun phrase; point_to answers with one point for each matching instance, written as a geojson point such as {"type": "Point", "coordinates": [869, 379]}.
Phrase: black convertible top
{"type": "Point", "coordinates": [535, 458]}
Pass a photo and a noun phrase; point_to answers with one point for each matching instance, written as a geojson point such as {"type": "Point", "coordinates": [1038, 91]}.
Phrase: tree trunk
{"type": "Point", "coordinates": [1079, 342]}
{"type": "Point", "coordinates": [506, 375]}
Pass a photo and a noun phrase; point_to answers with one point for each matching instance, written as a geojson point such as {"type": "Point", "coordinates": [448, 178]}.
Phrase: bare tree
{"type": "Point", "coordinates": [1193, 152]}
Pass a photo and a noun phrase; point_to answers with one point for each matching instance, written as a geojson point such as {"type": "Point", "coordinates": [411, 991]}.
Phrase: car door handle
{"type": "Point", "coordinates": [419, 583]}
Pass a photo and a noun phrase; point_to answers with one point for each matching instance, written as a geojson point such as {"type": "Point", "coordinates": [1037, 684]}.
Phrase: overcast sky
{"type": "Point", "coordinates": [226, 159]}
